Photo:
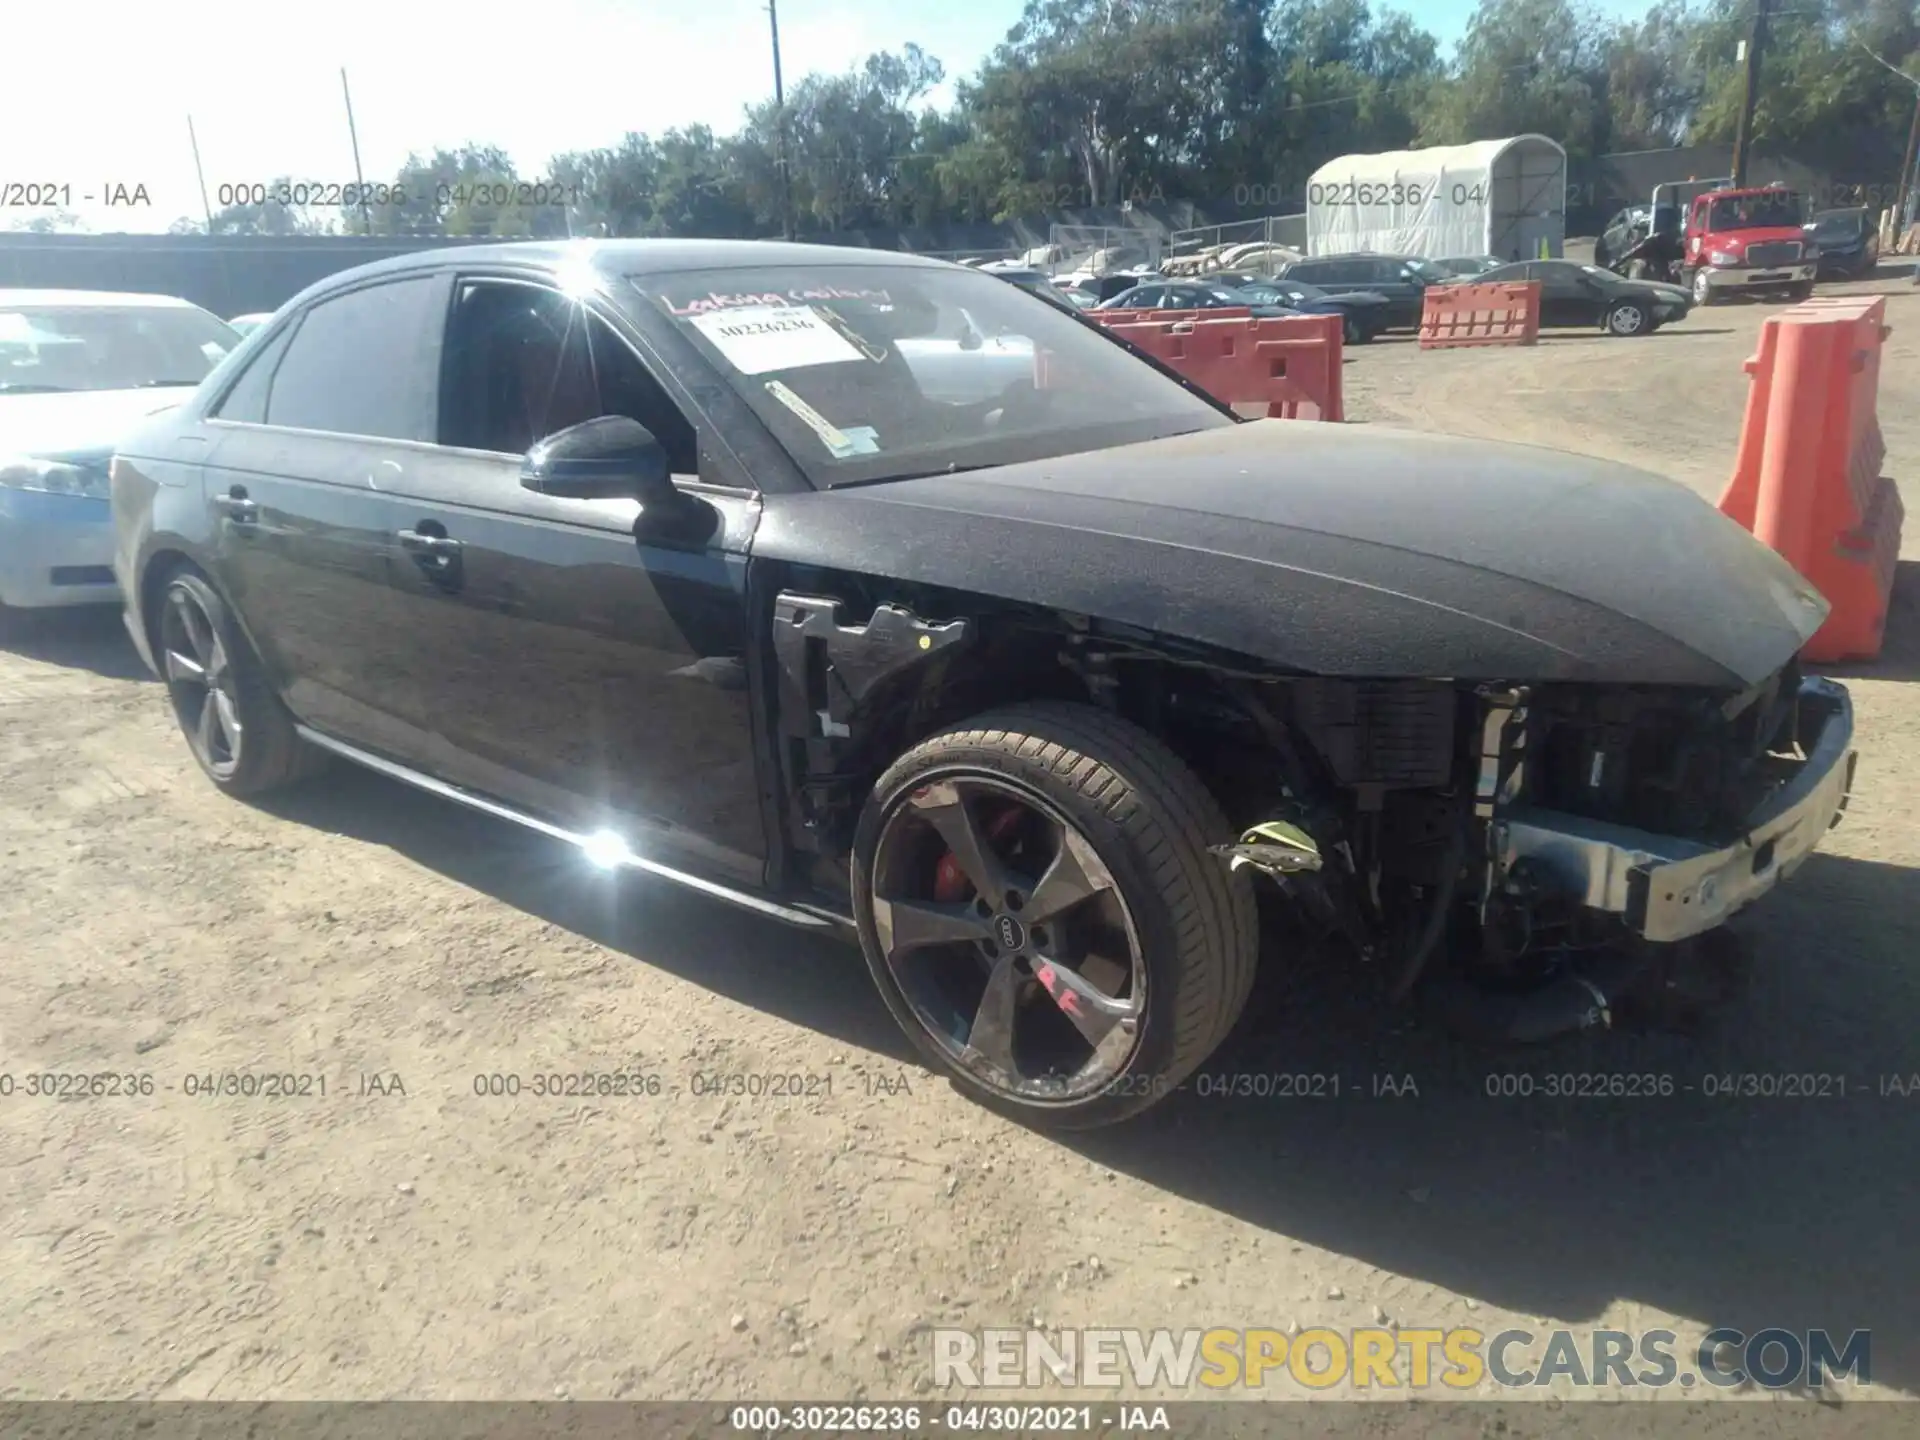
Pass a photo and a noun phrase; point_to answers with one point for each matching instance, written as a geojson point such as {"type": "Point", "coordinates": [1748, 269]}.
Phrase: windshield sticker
{"type": "Point", "coordinates": [715, 300]}
{"type": "Point", "coordinates": [860, 440]}
{"type": "Point", "coordinates": [775, 337]}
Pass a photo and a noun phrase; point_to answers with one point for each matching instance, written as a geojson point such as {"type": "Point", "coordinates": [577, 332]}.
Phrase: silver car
{"type": "Point", "coordinates": [77, 368]}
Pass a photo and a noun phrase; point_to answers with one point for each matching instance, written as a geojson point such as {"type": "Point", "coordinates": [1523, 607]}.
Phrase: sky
{"type": "Point", "coordinates": [264, 91]}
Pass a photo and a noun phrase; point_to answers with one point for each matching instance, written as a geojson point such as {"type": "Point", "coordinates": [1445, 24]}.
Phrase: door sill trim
{"type": "Point", "coordinates": [394, 770]}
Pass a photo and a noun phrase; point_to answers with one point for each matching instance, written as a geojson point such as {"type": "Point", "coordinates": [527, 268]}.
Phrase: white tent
{"type": "Point", "coordinates": [1493, 197]}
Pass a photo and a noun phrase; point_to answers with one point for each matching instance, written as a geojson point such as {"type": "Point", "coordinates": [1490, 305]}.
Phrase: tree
{"type": "Point", "coordinates": [1526, 66]}
{"type": "Point", "coordinates": [54, 222]}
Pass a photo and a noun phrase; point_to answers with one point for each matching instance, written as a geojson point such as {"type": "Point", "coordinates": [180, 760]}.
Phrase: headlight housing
{"type": "Point", "coordinates": [54, 477]}
{"type": "Point", "coordinates": [1722, 257]}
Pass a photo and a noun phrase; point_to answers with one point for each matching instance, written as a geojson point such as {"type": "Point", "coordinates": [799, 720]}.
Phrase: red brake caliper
{"type": "Point", "coordinates": [950, 883]}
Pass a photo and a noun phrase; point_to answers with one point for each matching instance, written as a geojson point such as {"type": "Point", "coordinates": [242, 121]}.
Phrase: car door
{"type": "Point", "coordinates": [334, 408]}
{"type": "Point", "coordinates": [569, 663]}
{"type": "Point", "coordinates": [1562, 300]}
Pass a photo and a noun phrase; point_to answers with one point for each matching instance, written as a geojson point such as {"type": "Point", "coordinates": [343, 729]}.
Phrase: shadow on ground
{"type": "Point", "coordinates": [82, 637]}
{"type": "Point", "coordinates": [1790, 1206]}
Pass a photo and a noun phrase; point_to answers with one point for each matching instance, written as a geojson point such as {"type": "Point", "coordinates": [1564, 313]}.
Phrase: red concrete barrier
{"type": "Point", "coordinates": [1806, 478]}
{"type": "Point", "coordinates": [1285, 367]}
{"type": "Point", "coordinates": [1500, 314]}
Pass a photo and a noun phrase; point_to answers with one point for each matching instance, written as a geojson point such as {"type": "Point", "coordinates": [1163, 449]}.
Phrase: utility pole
{"type": "Point", "coordinates": [353, 138]}
{"type": "Point", "coordinates": [1750, 96]}
{"type": "Point", "coordinates": [205, 204]}
{"type": "Point", "coordinates": [780, 128]}
{"type": "Point", "coordinates": [1906, 170]}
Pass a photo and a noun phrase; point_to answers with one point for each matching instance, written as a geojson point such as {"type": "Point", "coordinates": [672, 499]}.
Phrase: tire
{"type": "Point", "coordinates": [1627, 318]}
{"type": "Point", "coordinates": [1703, 295]}
{"type": "Point", "coordinates": [1797, 293]}
{"type": "Point", "coordinates": [1141, 823]}
{"type": "Point", "coordinates": [240, 734]}
{"type": "Point", "coordinates": [1352, 332]}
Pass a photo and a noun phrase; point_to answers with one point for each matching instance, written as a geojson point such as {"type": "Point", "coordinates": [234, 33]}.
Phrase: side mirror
{"type": "Point", "coordinates": [611, 458]}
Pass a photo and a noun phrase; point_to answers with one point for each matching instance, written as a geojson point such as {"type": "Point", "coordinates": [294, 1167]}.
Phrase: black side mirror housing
{"type": "Point", "coordinates": [613, 457]}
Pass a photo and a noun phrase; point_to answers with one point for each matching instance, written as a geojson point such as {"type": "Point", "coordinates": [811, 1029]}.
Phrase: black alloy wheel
{"type": "Point", "coordinates": [200, 682]}
{"type": "Point", "coordinates": [1041, 914]}
{"type": "Point", "coordinates": [239, 732]}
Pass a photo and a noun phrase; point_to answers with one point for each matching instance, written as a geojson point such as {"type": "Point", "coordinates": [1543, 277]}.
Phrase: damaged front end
{"type": "Point", "coordinates": [1583, 832]}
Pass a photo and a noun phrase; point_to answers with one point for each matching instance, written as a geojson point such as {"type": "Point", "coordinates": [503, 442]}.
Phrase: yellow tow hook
{"type": "Point", "coordinates": [1274, 848]}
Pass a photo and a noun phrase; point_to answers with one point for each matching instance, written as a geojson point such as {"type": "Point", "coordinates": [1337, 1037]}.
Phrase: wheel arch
{"type": "Point", "coordinates": [979, 655]}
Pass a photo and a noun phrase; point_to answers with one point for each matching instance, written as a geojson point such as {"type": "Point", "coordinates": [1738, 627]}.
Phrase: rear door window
{"type": "Point", "coordinates": [364, 363]}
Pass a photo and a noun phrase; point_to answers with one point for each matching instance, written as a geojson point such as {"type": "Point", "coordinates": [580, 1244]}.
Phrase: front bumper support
{"type": "Point", "coordinates": [1667, 888]}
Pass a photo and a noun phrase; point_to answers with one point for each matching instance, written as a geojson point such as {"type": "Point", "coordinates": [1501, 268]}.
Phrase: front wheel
{"type": "Point", "coordinates": [1353, 332]}
{"type": "Point", "coordinates": [1627, 317]}
{"type": "Point", "coordinates": [1702, 290]}
{"type": "Point", "coordinates": [1040, 912]}
{"type": "Point", "coordinates": [1802, 291]}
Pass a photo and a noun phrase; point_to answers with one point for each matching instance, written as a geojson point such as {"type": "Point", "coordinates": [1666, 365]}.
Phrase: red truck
{"type": "Point", "coordinates": [1748, 242]}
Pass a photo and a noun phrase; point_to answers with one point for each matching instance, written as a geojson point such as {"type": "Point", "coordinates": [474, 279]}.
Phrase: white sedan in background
{"type": "Point", "coordinates": [77, 368]}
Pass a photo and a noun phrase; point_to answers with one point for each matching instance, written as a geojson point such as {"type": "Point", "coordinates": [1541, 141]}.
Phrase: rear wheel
{"type": "Point", "coordinates": [1040, 911]}
{"type": "Point", "coordinates": [236, 727]}
{"type": "Point", "coordinates": [1353, 332]}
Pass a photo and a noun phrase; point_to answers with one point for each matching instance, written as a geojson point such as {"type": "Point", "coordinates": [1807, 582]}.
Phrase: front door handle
{"type": "Point", "coordinates": [426, 546]}
{"type": "Point", "coordinates": [433, 552]}
{"type": "Point", "coordinates": [237, 507]}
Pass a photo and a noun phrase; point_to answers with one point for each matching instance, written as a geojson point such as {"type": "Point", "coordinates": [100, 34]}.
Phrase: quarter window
{"type": "Point", "coordinates": [363, 364]}
{"type": "Point", "coordinates": [246, 399]}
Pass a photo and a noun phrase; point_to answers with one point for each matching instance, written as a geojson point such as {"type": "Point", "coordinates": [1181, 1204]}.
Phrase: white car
{"type": "Point", "coordinates": [77, 369]}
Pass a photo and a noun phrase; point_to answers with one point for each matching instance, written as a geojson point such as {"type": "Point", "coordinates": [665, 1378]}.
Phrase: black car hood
{"type": "Point", "coordinates": [1343, 550]}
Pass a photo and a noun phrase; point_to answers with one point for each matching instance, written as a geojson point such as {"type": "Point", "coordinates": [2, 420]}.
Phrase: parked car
{"type": "Point", "coordinates": [247, 324]}
{"type": "Point", "coordinates": [658, 548]}
{"type": "Point", "coordinates": [1464, 267]}
{"type": "Point", "coordinates": [1100, 288]}
{"type": "Point", "coordinates": [1572, 294]}
{"type": "Point", "coordinates": [1363, 313]}
{"type": "Point", "coordinates": [1848, 243]}
{"type": "Point", "coordinates": [1401, 278]}
{"type": "Point", "coordinates": [1748, 242]}
{"type": "Point", "coordinates": [1188, 295]}
{"type": "Point", "coordinates": [76, 368]}
{"type": "Point", "coordinates": [1036, 282]}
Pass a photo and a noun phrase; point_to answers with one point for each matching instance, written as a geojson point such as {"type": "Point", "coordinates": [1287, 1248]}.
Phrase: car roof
{"type": "Point", "coordinates": [656, 257]}
{"type": "Point", "coordinates": [627, 258]}
{"type": "Point", "coordinates": [81, 298]}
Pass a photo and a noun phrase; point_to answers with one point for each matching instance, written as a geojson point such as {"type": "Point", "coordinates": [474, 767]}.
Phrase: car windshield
{"type": "Point", "coordinates": [1755, 212]}
{"type": "Point", "coordinates": [880, 372]}
{"type": "Point", "coordinates": [1845, 225]}
{"type": "Point", "coordinates": [108, 347]}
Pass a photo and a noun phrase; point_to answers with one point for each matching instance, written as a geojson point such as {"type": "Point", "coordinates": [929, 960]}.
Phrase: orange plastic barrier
{"type": "Point", "coordinates": [1504, 314]}
{"type": "Point", "coordinates": [1806, 479]}
{"type": "Point", "coordinates": [1284, 367]}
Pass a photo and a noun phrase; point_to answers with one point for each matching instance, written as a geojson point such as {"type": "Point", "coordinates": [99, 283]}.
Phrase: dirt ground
{"type": "Point", "coordinates": [401, 1236]}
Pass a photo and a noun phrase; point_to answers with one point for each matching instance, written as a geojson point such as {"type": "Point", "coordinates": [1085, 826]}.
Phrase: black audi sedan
{"type": "Point", "coordinates": [880, 597]}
